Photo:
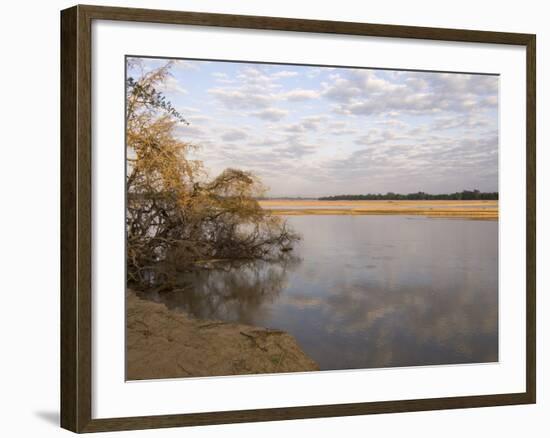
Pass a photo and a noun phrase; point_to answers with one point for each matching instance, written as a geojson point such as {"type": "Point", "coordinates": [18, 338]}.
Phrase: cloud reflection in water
{"type": "Point", "coordinates": [367, 291]}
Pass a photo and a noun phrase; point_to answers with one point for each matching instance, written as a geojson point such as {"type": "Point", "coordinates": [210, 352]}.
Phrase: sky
{"type": "Point", "coordinates": [310, 131]}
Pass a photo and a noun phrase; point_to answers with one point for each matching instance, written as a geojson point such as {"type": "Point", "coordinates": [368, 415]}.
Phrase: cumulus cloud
{"type": "Point", "coordinates": [254, 77]}
{"type": "Point", "coordinates": [171, 85]}
{"type": "Point", "coordinates": [191, 131]}
{"type": "Point", "coordinates": [298, 95]}
{"type": "Point", "coordinates": [270, 114]}
{"type": "Point", "coordinates": [463, 121]}
{"type": "Point", "coordinates": [294, 146]}
{"type": "Point", "coordinates": [222, 78]}
{"type": "Point", "coordinates": [376, 136]}
{"type": "Point", "coordinates": [339, 130]}
{"type": "Point", "coordinates": [251, 89]}
{"type": "Point", "coordinates": [308, 123]}
{"type": "Point", "coordinates": [255, 88]}
{"type": "Point", "coordinates": [234, 135]}
{"type": "Point", "coordinates": [433, 166]}
{"type": "Point", "coordinates": [285, 74]}
{"type": "Point", "coordinates": [353, 84]}
{"type": "Point", "coordinates": [366, 93]}
{"type": "Point", "coordinates": [183, 65]}
{"type": "Point", "coordinates": [240, 99]}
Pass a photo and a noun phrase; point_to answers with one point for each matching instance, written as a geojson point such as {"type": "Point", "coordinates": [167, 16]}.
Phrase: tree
{"type": "Point", "coordinates": [176, 217]}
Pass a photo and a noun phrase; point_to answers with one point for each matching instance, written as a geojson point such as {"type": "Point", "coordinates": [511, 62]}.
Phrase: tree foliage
{"type": "Point", "coordinates": [465, 195]}
{"type": "Point", "coordinates": [177, 217]}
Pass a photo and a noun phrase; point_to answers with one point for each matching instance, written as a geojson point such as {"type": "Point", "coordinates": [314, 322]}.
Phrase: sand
{"type": "Point", "coordinates": [481, 210]}
{"type": "Point", "coordinates": [164, 344]}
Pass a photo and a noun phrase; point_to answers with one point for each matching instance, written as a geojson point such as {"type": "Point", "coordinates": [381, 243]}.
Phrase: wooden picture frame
{"type": "Point", "coordinates": [76, 217]}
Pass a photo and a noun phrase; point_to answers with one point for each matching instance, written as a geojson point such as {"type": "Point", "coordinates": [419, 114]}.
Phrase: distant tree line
{"type": "Point", "coordinates": [465, 195]}
{"type": "Point", "coordinates": [285, 198]}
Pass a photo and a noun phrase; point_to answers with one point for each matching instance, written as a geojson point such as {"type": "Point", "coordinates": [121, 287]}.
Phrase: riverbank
{"type": "Point", "coordinates": [480, 210]}
{"type": "Point", "coordinates": [161, 343]}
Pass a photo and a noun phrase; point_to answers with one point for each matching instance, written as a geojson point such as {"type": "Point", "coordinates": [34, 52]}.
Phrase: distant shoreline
{"type": "Point", "coordinates": [478, 210]}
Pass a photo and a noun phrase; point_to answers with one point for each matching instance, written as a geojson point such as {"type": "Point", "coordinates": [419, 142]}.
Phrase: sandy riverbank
{"type": "Point", "coordinates": [161, 343]}
{"type": "Point", "coordinates": [484, 210]}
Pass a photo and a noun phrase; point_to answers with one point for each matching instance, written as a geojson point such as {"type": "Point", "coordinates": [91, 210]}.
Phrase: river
{"type": "Point", "coordinates": [367, 291]}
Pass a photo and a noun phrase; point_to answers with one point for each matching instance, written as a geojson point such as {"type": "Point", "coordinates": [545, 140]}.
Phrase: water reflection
{"type": "Point", "coordinates": [238, 292]}
{"type": "Point", "coordinates": [367, 291]}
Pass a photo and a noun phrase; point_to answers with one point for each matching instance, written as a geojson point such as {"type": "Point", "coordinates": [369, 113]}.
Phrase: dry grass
{"type": "Point", "coordinates": [484, 210]}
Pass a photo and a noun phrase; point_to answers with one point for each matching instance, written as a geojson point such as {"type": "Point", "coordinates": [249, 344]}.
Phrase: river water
{"type": "Point", "coordinates": [367, 291]}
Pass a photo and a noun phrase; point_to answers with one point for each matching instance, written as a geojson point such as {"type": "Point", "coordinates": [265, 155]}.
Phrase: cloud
{"type": "Point", "coordinates": [284, 74]}
{"type": "Point", "coordinates": [199, 118]}
{"type": "Point", "coordinates": [191, 131]}
{"type": "Point", "coordinates": [270, 114]}
{"type": "Point", "coordinates": [256, 97]}
{"type": "Point", "coordinates": [266, 142]}
{"type": "Point", "coordinates": [240, 99]}
{"type": "Point", "coordinates": [308, 123]}
{"type": "Point", "coordinates": [234, 135]}
{"type": "Point", "coordinates": [314, 72]}
{"type": "Point", "coordinates": [253, 90]}
{"type": "Point", "coordinates": [298, 95]}
{"type": "Point", "coordinates": [403, 161]}
{"type": "Point", "coordinates": [353, 84]}
{"type": "Point", "coordinates": [313, 122]}
{"type": "Point", "coordinates": [367, 93]}
{"type": "Point", "coordinates": [451, 83]}
{"type": "Point", "coordinates": [222, 78]}
{"type": "Point", "coordinates": [294, 146]}
{"type": "Point", "coordinates": [392, 123]}
{"type": "Point", "coordinates": [188, 109]}
{"type": "Point", "coordinates": [340, 128]}
{"type": "Point", "coordinates": [465, 121]}
{"type": "Point", "coordinates": [184, 65]}
{"type": "Point", "coordinates": [344, 130]}
{"type": "Point", "coordinates": [376, 136]}
{"type": "Point", "coordinates": [253, 77]}
{"type": "Point", "coordinates": [490, 101]}
{"type": "Point", "coordinates": [171, 85]}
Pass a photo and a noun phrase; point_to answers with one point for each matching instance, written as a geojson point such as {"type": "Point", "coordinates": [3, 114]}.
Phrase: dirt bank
{"type": "Point", "coordinates": [162, 344]}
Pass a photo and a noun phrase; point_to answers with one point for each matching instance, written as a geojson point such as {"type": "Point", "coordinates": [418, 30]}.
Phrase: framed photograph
{"type": "Point", "coordinates": [271, 218]}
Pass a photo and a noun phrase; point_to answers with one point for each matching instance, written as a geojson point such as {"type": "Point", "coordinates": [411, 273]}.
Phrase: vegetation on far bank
{"type": "Point", "coordinates": [465, 195]}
